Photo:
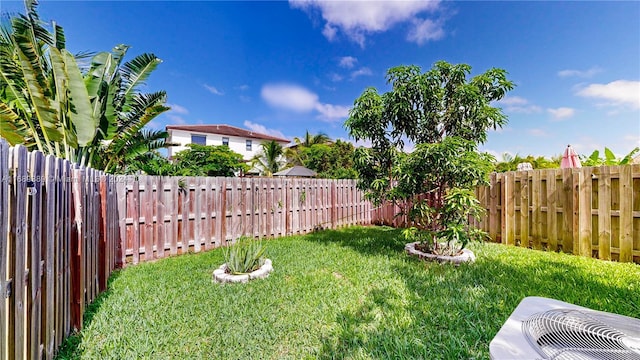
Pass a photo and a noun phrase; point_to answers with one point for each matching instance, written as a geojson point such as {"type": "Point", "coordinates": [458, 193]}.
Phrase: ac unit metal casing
{"type": "Point", "coordinates": [542, 328]}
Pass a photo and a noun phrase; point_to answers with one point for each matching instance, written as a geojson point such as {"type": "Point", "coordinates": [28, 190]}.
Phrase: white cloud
{"type": "Point", "coordinates": [561, 113]}
{"type": "Point", "coordinates": [154, 124]}
{"type": "Point", "coordinates": [177, 109]}
{"type": "Point", "coordinates": [263, 129]}
{"type": "Point", "coordinates": [580, 73]}
{"type": "Point", "coordinates": [365, 71]}
{"type": "Point", "coordinates": [347, 62]}
{"type": "Point", "coordinates": [513, 100]}
{"type": "Point", "coordinates": [619, 92]}
{"type": "Point", "coordinates": [356, 19]}
{"type": "Point", "coordinates": [537, 132]}
{"type": "Point", "coordinates": [335, 77]}
{"type": "Point", "coordinates": [331, 112]}
{"type": "Point", "coordinates": [213, 90]}
{"type": "Point", "coordinates": [290, 97]}
{"type": "Point", "coordinates": [519, 105]}
{"type": "Point", "coordinates": [243, 87]}
{"type": "Point", "coordinates": [299, 99]}
{"type": "Point", "coordinates": [425, 30]}
{"type": "Point", "coordinates": [176, 119]}
{"type": "Point", "coordinates": [245, 98]}
{"type": "Point", "coordinates": [632, 139]}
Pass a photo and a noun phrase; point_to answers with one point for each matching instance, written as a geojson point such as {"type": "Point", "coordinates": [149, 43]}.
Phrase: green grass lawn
{"type": "Point", "coordinates": [350, 294]}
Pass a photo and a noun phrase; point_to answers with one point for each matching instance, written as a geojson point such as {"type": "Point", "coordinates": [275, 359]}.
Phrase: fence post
{"type": "Point", "coordinates": [4, 241]}
{"type": "Point", "coordinates": [626, 214]}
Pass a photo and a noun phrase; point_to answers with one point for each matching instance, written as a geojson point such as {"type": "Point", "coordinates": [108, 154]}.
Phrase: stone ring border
{"type": "Point", "coordinates": [466, 256]}
{"type": "Point", "coordinates": [220, 274]}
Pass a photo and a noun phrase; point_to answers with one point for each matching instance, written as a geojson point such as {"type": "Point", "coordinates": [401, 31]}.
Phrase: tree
{"type": "Point", "coordinates": [330, 161]}
{"type": "Point", "coordinates": [207, 160]}
{"type": "Point", "coordinates": [270, 159]}
{"type": "Point", "coordinates": [310, 139]}
{"type": "Point", "coordinates": [446, 116]}
{"type": "Point", "coordinates": [93, 119]}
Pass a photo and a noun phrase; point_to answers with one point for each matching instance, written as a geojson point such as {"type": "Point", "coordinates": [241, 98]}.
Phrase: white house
{"type": "Point", "coordinates": [244, 142]}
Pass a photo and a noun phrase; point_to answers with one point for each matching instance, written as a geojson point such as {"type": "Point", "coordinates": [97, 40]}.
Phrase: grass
{"type": "Point", "coordinates": [347, 294]}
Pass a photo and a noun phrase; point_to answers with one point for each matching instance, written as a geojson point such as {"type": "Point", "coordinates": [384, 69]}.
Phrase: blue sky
{"type": "Point", "coordinates": [286, 67]}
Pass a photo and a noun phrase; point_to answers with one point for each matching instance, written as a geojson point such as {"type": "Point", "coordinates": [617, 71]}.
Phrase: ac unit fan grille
{"type": "Point", "coordinates": [581, 335]}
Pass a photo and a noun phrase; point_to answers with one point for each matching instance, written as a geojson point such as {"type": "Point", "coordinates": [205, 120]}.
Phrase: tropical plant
{"type": "Point", "coordinates": [208, 160]}
{"type": "Point", "coordinates": [270, 159]}
{"type": "Point", "coordinates": [330, 160]}
{"type": "Point", "coordinates": [294, 153]}
{"type": "Point", "coordinates": [445, 115]}
{"type": "Point", "coordinates": [152, 163]}
{"type": "Point", "coordinates": [510, 162]}
{"type": "Point", "coordinates": [245, 256]}
{"type": "Point", "coordinates": [47, 103]}
{"type": "Point", "coordinates": [609, 158]}
{"type": "Point", "coordinates": [310, 139]}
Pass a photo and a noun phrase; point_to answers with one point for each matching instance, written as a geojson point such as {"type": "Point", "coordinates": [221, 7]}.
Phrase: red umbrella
{"type": "Point", "coordinates": [570, 159]}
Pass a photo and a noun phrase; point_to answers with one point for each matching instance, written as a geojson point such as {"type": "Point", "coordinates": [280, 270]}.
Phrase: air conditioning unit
{"type": "Point", "coordinates": [541, 328]}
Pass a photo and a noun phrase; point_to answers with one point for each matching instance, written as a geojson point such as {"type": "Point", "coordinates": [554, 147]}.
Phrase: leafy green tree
{"type": "Point", "coordinates": [47, 103]}
{"type": "Point", "coordinates": [207, 160]}
{"type": "Point", "coordinates": [609, 158]}
{"type": "Point", "coordinates": [270, 159]}
{"type": "Point", "coordinates": [331, 160]}
{"type": "Point", "coordinates": [446, 116]}
{"type": "Point", "coordinates": [152, 163]}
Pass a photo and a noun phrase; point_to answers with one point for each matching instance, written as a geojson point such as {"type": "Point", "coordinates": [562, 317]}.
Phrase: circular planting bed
{"type": "Point", "coordinates": [220, 274]}
{"type": "Point", "coordinates": [466, 255]}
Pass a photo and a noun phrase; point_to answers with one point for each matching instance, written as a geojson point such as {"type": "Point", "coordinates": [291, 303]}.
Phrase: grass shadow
{"type": "Point", "coordinates": [453, 312]}
{"type": "Point", "coordinates": [70, 348]}
{"type": "Point", "coordinates": [370, 240]}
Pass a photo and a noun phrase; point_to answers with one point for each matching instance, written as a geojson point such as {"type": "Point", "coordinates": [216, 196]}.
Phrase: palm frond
{"type": "Point", "coordinates": [136, 72]}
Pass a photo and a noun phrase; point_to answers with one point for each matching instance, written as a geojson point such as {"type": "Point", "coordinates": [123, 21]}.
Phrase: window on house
{"type": "Point", "coordinates": [225, 141]}
{"type": "Point", "coordinates": [199, 139]}
{"type": "Point", "coordinates": [248, 145]}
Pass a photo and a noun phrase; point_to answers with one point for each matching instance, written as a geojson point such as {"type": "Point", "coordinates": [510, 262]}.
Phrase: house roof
{"type": "Point", "coordinates": [223, 129]}
{"type": "Point", "coordinates": [296, 171]}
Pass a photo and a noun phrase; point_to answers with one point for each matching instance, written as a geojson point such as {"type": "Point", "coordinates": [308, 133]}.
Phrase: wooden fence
{"type": "Point", "coordinates": [591, 211]}
{"type": "Point", "coordinates": [65, 229]}
{"type": "Point", "coordinates": [166, 216]}
{"type": "Point", "coordinates": [57, 250]}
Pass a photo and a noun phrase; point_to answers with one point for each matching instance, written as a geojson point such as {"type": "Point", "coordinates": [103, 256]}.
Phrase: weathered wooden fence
{"type": "Point", "coordinates": [166, 216]}
{"type": "Point", "coordinates": [65, 229]}
{"type": "Point", "coordinates": [591, 211]}
{"type": "Point", "coordinates": [57, 250]}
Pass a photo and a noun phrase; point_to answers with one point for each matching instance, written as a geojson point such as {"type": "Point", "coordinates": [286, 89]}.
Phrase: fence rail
{"type": "Point", "coordinates": [591, 211]}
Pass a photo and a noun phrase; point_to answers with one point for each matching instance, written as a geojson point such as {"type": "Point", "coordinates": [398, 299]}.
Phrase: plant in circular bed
{"type": "Point", "coordinates": [245, 260]}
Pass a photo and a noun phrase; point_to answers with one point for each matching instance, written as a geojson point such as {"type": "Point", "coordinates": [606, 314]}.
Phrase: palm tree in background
{"type": "Point", "coordinates": [293, 153]}
{"type": "Point", "coordinates": [270, 159]}
{"type": "Point", "coordinates": [310, 139]}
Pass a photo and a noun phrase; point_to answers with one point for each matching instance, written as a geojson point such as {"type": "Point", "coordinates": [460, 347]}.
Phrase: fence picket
{"type": "Point", "coordinates": [34, 256]}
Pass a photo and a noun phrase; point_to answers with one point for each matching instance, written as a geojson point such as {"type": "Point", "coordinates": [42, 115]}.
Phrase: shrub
{"type": "Point", "coordinates": [245, 256]}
